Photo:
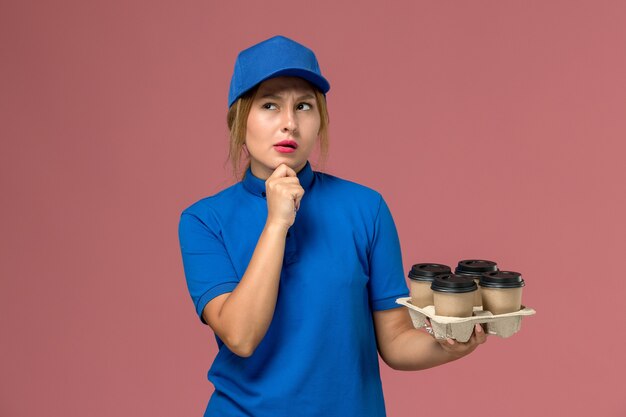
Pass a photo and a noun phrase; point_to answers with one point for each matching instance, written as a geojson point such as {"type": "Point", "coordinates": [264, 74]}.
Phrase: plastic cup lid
{"type": "Point", "coordinates": [453, 283]}
{"type": "Point", "coordinates": [475, 267]}
{"type": "Point", "coordinates": [427, 271]}
{"type": "Point", "coordinates": [501, 279]}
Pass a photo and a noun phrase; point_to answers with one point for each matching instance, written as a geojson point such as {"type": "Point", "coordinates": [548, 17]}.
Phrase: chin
{"type": "Point", "coordinates": [295, 165]}
{"type": "Point", "coordinates": [291, 163]}
{"type": "Point", "coordinates": [270, 165]}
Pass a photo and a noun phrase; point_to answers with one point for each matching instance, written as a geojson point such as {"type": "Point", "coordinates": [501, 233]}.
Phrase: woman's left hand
{"type": "Point", "coordinates": [406, 348]}
{"type": "Point", "coordinates": [459, 349]}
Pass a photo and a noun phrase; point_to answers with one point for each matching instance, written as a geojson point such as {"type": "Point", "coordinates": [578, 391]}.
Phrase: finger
{"type": "Point", "coordinates": [280, 171]}
{"type": "Point", "coordinates": [287, 180]}
{"type": "Point", "coordinates": [274, 183]}
{"type": "Point", "coordinates": [292, 190]}
{"type": "Point", "coordinates": [443, 342]}
{"type": "Point", "coordinates": [284, 171]}
{"type": "Point", "coordinates": [297, 199]}
{"type": "Point", "coordinates": [479, 333]}
{"type": "Point", "coordinates": [290, 172]}
{"type": "Point", "coordinates": [478, 336]}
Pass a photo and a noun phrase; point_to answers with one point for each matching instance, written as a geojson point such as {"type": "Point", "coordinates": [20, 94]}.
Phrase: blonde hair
{"type": "Point", "coordinates": [237, 118]}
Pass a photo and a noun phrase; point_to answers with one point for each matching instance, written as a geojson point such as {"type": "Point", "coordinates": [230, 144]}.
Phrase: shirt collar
{"type": "Point", "coordinates": [257, 186]}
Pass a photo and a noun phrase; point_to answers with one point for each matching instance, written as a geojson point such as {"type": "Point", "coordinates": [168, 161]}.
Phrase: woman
{"type": "Point", "coordinates": [297, 272]}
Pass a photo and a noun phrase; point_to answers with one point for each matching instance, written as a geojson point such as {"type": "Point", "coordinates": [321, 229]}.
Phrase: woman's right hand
{"type": "Point", "coordinates": [283, 193]}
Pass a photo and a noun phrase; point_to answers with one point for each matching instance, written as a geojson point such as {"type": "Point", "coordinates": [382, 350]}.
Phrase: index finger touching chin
{"type": "Point", "coordinates": [281, 171]}
{"type": "Point", "coordinates": [290, 172]}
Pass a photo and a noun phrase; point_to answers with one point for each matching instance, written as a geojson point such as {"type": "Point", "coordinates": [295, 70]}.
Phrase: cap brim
{"type": "Point", "coordinates": [316, 80]}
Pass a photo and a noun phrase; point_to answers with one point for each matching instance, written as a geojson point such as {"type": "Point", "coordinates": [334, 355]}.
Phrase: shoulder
{"type": "Point", "coordinates": [207, 208]}
{"type": "Point", "coordinates": [350, 189]}
{"type": "Point", "coordinates": [349, 196]}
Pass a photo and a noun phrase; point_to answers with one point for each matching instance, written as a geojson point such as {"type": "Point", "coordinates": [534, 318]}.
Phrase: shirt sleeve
{"type": "Point", "coordinates": [208, 268]}
{"type": "Point", "coordinates": [386, 283]}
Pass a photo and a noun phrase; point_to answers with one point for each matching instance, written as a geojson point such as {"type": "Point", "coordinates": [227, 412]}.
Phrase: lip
{"type": "Point", "coordinates": [286, 146]}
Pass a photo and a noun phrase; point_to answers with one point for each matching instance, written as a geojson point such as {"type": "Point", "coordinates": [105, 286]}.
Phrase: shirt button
{"type": "Point", "coordinates": [263, 194]}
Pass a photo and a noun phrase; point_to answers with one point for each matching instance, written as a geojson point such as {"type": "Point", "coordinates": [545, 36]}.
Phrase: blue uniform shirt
{"type": "Point", "coordinates": [342, 261]}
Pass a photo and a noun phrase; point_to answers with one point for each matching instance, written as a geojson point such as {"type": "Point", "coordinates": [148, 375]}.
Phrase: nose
{"type": "Point", "coordinates": [290, 123]}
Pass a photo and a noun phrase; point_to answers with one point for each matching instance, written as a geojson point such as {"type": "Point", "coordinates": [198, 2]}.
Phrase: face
{"type": "Point", "coordinates": [282, 126]}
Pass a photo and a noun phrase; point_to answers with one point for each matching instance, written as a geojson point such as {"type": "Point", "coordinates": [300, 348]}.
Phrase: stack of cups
{"type": "Point", "coordinates": [456, 295]}
{"type": "Point", "coordinates": [501, 291]}
{"type": "Point", "coordinates": [421, 278]}
{"type": "Point", "coordinates": [474, 268]}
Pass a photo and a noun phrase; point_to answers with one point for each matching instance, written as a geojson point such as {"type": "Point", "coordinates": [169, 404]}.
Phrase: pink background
{"type": "Point", "coordinates": [494, 129]}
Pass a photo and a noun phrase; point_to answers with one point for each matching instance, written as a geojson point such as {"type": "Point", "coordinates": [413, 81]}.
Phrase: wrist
{"type": "Point", "coordinates": [276, 227]}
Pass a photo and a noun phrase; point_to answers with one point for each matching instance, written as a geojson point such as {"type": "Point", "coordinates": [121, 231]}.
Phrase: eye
{"type": "Point", "coordinates": [269, 106]}
{"type": "Point", "coordinates": [304, 106]}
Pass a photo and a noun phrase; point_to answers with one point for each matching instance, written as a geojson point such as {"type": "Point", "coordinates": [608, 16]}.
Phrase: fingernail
{"type": "Point", "coordinates": [479, 328]}
{"type": "Point", "coordinates": [450, 341]}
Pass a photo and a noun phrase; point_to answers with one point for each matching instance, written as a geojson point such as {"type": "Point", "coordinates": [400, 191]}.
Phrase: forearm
{"type": "Point", "coordinates": [414, 350]}
{"type": "Point", "coordinates": [247, 313]}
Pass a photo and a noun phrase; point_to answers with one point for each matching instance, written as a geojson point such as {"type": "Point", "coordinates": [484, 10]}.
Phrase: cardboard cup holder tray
{"type": "Point", "coordinates": [460, 328]}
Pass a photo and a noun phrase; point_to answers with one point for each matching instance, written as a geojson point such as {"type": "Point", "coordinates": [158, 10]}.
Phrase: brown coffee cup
{"type": "Point", "coordinates": [502, 291]}
{"type": "Point", "coordinates": [453, 295]}
{"type": "Point", "coordinates": [475, 268]}
{"type": "Point", "coordinates": [421, 277]}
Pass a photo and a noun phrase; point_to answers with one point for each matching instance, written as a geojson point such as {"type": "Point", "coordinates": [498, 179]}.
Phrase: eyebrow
{"type": "Point", "coordinates": [274, 96]}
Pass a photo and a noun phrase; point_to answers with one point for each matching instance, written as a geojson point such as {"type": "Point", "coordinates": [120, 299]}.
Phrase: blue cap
{"type": "Point", "coordinates": [277, 56]}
